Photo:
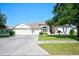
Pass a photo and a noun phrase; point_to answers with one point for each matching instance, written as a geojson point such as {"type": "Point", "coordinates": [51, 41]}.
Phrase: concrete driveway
{"type": "Point", "coordinates": [21, 46]}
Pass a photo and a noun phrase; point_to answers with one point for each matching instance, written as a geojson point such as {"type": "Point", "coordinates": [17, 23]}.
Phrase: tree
{"type": "Point", "coordinates": [2, 20]}
{"type": "Point", "coordinates": [51, 23]}
{"type": "Point", "coordinates": [67, 14]}
{"type": "Point", "coordinates": [62, 16]}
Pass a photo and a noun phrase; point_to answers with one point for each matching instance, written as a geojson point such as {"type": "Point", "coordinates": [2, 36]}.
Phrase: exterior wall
{"type": "Point", "coordinates": [36, 31]}
{"type": "Point", "coordinates": [58, 29]}
{"type": "Point", "coordinates": [48, 31]}
{"type": "Point", "coordinates": [22, 29]}
{"type": "Point", "coordinates": [23, 32]}
{"type": "Point", "coordinates": [61, 29]}
{"type": "Point", "coordinates": [3, 31]}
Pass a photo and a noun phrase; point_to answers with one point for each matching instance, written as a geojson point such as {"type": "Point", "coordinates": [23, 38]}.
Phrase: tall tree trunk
{"type": "Point", "coordinates": [50, 29]}
{"type": "Point", "coordinates": [65, 30]}
{"type": "Point", "coordinates": [77, 30]}
{"type": "Point", "coordinates": [53, 31]}
{"type": "Point", "coordinates": [59, 33]}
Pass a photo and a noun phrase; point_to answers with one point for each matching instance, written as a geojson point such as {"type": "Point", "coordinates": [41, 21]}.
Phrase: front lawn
{"type": "Point", "coordinates": [58, 37]}
{"type": "Point", "coordinates": [62, 48]}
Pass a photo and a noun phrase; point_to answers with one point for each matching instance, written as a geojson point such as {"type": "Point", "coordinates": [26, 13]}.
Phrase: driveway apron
{"type": "Point", "coordinates": [21, 46]}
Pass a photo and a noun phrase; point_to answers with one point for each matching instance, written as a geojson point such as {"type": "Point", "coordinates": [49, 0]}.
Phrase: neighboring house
{"type": "Point", "coordinates": [31, 29]}
{"type": "Point", "coordinates": [5, 30]}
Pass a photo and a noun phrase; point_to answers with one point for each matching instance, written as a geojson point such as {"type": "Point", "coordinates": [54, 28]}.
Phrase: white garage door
{"type": "Point", "coordinates": [23, 32]}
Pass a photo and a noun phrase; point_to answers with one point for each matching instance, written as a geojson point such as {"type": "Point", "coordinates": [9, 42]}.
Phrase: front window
{"type": "Point", "coordinates": [44, 29]}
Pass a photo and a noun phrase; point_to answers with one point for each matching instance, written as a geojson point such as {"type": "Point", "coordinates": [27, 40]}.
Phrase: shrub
{"type": "Point", "coordinates": [43, 33]}
{"type": "Point", "coordinates": [11, 32]}
{"type": "Point", "coordinates": [71, 32]}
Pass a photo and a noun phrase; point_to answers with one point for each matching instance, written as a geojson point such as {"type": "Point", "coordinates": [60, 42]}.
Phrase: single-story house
{"type": "Point", "coordinates": [31, 29]}
{"type": "Point", "coordinates": [5, 30]}
{"type": "Point", "coordinates": [36, 28]}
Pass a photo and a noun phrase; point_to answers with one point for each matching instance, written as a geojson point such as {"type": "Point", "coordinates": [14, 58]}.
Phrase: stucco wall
{"type": "Point", "coordinates": [61, 29]}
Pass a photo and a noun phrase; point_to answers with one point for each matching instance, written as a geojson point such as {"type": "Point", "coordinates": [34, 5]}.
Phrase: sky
{"type": "Point", "coordinates": [26, 12]}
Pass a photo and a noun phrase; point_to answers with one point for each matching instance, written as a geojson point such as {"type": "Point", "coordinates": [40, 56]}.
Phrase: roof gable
{"type": "Point", "coordinates": [21, 26]}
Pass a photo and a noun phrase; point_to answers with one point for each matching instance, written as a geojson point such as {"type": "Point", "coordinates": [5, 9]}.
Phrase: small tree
{"type": "Point", "coordinates": [71, 32]}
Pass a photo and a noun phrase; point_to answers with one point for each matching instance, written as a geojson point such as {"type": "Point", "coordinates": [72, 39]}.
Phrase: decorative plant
{"type": "Point", "coordinates": [71, 32]}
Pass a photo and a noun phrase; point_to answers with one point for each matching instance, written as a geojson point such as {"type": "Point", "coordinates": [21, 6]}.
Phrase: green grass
{"type": "Point", "coordinates": [58, 37]}
{"type": "Point", "coordinates": [61, 49]}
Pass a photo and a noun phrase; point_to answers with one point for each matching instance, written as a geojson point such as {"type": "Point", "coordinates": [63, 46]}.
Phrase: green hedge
{"type": "Point", "coordinates": [43, 33]}
{"type": "Point", "coordinates": [11, 32]}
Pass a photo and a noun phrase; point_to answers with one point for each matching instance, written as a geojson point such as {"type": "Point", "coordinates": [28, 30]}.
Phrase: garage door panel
{"type": "Point", "coordinates": [23, 32]}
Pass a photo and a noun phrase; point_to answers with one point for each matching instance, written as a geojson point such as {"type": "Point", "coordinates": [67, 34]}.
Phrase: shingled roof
{"type": "Point", "coordinates": [37, 24]}
{"type": "Point", "coordinates": [31, 25]}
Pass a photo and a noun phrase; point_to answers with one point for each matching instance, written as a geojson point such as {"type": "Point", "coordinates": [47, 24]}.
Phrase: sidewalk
{"type": "Point", "coordinates": [56, 41]}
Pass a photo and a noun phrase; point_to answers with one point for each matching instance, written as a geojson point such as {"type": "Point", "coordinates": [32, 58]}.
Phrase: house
{"type": "Point", "coordinates": [36, 28]}
{"type": "Point", "coordinates": [6, 30]}
{"type": "Point", "coordinates": [31, 29]}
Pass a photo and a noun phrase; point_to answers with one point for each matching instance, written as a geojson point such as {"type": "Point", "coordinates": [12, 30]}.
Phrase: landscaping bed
{"type": "Point", "coordinates": [61, 48]}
